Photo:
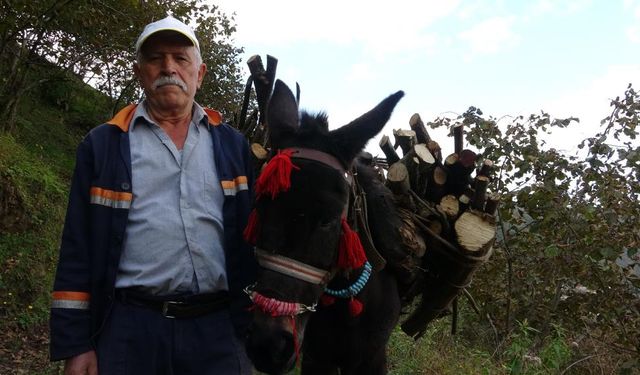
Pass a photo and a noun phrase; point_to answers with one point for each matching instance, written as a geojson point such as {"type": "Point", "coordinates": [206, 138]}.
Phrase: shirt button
{"type": "Point", "coordinates": [125, 186]}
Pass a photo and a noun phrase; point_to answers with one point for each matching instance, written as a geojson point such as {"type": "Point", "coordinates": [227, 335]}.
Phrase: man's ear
{"type": "Point", "coordinates": [202, 70]}
{"type": "Point", "coordinates": [136, 70]}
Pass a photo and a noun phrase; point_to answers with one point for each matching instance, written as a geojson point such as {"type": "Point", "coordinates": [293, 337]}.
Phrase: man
{"type": "Point", "coordinates": [152, 261]}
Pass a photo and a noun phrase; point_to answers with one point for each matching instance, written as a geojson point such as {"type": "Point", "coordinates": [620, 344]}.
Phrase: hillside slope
{"type": "Point", "coordinates": [36, 163]}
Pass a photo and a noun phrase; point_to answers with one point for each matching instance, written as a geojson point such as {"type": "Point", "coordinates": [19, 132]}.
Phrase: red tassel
{"type": "Point", "coordinates": [355, 307]}
{"type": "Point", "coordinates": [327, 300]}
{"type": "Point", "coordinates": [350, 253]}
{"type": "Point", "coordinates": [276, 175]}
{"type": "Point", "coordinates": [250, 233]}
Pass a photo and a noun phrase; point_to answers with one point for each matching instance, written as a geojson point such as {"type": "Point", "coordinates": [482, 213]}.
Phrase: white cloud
{"type": "Point", "coordinates": [633, 31]}
{"type": "Point", "coordinates": [360, 72]}
{"type": "Point", "coordinates": [559, 6]}
{"type": "Point", "coordinates": [379, 25]}
{"type": "Point", "coordinates": [491, 35]}
{"type": "Point", "coordinates": [590, 103]}
{"type": "Point", "coordinates": [633, 34]}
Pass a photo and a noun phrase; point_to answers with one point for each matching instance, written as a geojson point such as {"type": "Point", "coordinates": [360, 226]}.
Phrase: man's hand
{"type": "Point", "coordinates": [82, 364]}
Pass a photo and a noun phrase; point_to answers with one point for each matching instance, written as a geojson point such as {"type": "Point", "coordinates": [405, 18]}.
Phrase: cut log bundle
{"type": "Point", "coordinates": [449, 211]}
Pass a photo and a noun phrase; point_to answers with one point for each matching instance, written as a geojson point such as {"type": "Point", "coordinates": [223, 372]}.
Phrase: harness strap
{"type": "Point", "coordinates": [319, 156]}
{"type": "Point", "coordinates": [291, 267]}
{"type": "Point", "coordinates": [361, 220]}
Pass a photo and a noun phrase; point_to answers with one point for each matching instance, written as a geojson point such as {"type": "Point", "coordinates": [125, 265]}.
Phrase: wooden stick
{"type": "Point", "coordinates": [435, 150]}
{"type": "Point", "coordinates": [449, 206]}
{"type": "Point", "coordinates": [475, 233]}
{"type": "Point", "coordinates": [481, 185]}
{"type": "Point", "coordinates": [405, 139]}
{"type": "Point", "coordinates": [436, 184]}
{"type": "Point", "coordinates": [245, 104]}
{"type": "Point", "coordinates": [263, 81]}
{"type": "Point", "coordinates": [388, 150]}
{"type": "Point", "coordinates": [259, 152]}
{"type": "Point", "coordinates": [492, 204]}
{"type": "Point", "coordinates": [416, 124]}
{"type": "Point", "coordinates": [398, 179]}
{"type": "Point", "coordinates": [465, 198]}
{"type": "Point", "coordinates": [423, 168]}
{"type": "Point", "coordinates": [458, 138]}
{"type": "Point", "coordinates": [259, 155]}
{"type": "Point", "coordinates": [459, 168]}
{"type": "Point", "coordinates": [486, 169]}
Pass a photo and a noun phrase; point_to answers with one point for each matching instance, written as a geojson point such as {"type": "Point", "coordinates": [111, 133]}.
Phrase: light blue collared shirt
{"type": "Point", "coordinates": [174, 237]}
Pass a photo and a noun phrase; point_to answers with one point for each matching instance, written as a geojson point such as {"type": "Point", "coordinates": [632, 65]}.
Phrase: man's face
{"type": "Point", "coordinates": [169, 71]}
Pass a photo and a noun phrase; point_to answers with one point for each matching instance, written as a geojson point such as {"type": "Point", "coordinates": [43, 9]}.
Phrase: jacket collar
{"type": "Point", "coordinates": [122, 119]}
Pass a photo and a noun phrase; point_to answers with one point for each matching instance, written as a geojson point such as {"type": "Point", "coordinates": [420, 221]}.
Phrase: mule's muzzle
{"type": "Point", "coordinates": [271, 348]}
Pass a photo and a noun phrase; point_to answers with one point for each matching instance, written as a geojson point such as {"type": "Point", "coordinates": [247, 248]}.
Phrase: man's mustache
{"type": "Point", "coordinates": [169, 80]}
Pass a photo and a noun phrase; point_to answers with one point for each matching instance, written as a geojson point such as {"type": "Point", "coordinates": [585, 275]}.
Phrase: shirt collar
{"type": "Point", "coordinates": [198, 115]}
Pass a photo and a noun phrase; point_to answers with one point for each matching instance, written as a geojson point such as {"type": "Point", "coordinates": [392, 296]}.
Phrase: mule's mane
{"type": "Point", "coordinates": [314, 133]}
{"type": "Point", "coordinates": [318, 122]}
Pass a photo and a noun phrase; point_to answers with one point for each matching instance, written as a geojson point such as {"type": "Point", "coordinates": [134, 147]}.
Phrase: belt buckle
{"type": "Point", "coordinates": [165, 308]}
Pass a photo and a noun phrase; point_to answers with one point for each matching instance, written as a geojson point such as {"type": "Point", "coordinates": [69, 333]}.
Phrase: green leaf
{"type": "Point", "coordinates": [608, 253]}
{"type": "Point", "coordinates": [551, 251]}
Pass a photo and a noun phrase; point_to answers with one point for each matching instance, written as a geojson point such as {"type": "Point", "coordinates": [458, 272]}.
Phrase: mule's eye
{"type": "Point", "coordinates": [298, 217]}
{"type": "Point", "coordinates": [327, 223]}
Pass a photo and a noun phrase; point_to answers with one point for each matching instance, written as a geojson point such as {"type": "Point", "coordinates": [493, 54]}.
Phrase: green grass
{"type": "Point", "coordinates": [438, 352]}
{"type": "Point", "coordinates": [36, 163]}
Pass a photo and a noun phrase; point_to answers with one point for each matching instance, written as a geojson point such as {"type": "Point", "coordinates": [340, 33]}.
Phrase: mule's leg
{"type": "Point", "coordinates": [311, 367]}
{"type": "Point", "coordinates": [376, 364]}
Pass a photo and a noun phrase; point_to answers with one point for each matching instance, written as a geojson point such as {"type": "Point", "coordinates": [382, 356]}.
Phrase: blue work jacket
{"type": "Point", "coordinates": [92, 238]}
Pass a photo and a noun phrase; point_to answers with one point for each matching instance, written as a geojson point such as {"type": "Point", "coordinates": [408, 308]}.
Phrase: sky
{"type": "Point", "coordinates": [566, 57]}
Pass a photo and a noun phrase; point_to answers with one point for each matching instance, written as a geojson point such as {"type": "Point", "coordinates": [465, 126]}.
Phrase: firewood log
{"type": "Point", "coordinates": [459, 168]}
{"type": "Point", "coordinates": [449, 206]}
{"type": "Point", "coordinates": [420, 164]}
{"type": "Point", "coordinates": [453, 270]}
{"type": "Point", "coordinates": [492, 204]}
{"type": "Point", "coordinates": [475, 232]}
{"type": "Point", "coordinates": [398, 179]}
{"type": "Point", "coordinates": [435, 150]}
{"type": "Point", "coordinates": [259, 157]}
{"type": "Point", "coordinates": [465, 198]}
{"type": "Point", "coordinates": [405, 139]}
{"type": "Point", "coordinates": [389, 152]}
{"type": "Point", "coordinates": [436, 184]}
{"type": "Point", "coordinates": [409, 234]}
{"type": "Point", "coordinates": [486, 169]}
{"type": "Point", "coordinates": [416, 124]}
{"type": "Point", "coordinates": [480, 187]}
{"type": "Point", "coordinates": [453, 267]}
{"type": "Point", "coordinates": [263, 81]}
{"type": "Point", "coordinates": [458, 138]}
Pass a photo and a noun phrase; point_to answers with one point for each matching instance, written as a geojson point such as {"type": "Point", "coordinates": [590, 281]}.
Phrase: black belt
{"type": "Point", "coordinates": [178, 307]}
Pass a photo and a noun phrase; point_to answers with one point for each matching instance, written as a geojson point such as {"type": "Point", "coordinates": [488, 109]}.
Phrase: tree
{"type": "Point", "coordinates": [94, 40]}
{"type": "Point", "coordinates": [569, 249]}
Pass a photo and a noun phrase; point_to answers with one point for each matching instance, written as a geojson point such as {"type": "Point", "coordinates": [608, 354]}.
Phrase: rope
{"type": "Point", "coordinates": [355, 288]}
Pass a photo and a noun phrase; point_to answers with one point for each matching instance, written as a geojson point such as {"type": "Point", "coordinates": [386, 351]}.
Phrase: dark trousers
{"type": "Point", "coordinates": [137, 340]}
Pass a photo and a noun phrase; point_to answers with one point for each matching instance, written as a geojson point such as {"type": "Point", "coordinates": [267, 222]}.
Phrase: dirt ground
{"type": "Point", "coordinates": [26, 351]}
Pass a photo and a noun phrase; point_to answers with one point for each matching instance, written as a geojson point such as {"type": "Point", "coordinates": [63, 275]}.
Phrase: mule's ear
{"type": "Point", "coordinates": [282, 114]}
{"type": "Point", "coordinates": [351, 138]}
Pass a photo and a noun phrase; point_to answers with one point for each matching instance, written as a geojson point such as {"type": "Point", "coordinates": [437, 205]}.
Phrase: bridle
{"type": "Point", "coordinates": [292, 267]}
{"type": "Point", "coordinates": [289, 266]}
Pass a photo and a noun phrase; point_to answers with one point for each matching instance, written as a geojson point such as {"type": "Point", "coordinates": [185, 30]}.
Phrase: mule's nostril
{"type": "Point", "coordinates": [271, 352]}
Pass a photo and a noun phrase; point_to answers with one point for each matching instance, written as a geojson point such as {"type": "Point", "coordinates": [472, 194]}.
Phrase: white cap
{"type": "Point", "coordinates": [165, 24]}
